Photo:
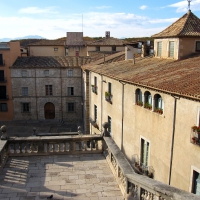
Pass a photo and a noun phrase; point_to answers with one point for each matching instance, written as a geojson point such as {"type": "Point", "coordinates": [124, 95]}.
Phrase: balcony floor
{"type": "Point", "coordinates": [65, 176]}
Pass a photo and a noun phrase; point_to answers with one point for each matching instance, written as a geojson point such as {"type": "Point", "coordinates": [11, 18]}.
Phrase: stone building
{"type": "Point", "coordinates": [152, 104]}
{"type": "Point", "coordinates": [8, 54]}
{"type": "Point", "coordinates": [47, 88]}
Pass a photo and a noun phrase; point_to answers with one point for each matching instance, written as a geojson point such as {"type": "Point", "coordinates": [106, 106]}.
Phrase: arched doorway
{"type": "Point", "coordinates": [49, 111]}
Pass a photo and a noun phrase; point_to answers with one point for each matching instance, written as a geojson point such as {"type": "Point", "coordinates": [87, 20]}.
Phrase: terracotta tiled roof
{"type": "Point", "coordinates": [170, 76]}
{"type": "Point", "coordinates": [187, 25]}
{"type": "Point", "coordinates": [50, 61]}
{"type": "Point", "coordinates": [106, 42]}
{"type": "Point", "coordinates": [63, 61]}
{"type": "Point", "coordinates": [48, 43]}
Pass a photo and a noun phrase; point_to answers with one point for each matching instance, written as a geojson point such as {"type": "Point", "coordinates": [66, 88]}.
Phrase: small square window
{"type": "Point", "coordinates": [24, 73]}
{"type": "Point", "coordinates": [97, 48]}
{"type": "Point", "coordinates": [1, 59]}
{"type": "Point", "coordinates": [198, 46]}
{"type": "Point", "coordinates": [71, 107]}
{"type": "Point", "coordinates": [25, 107]}
{"type": "Point", "coordinates": [70, 91]}
{"type": "Point", "coordinates": [55, 49]}
{"type": "Point", "coordinates": [46, 72]}
{"type": "Point", "coordinates": [114, 48]}
{"type": "Point", "coordinates": [4, 107]}
{"type": "Point", "coordinates": [24, 91]}
{"type": "Point", "coordinates": [70, 72]}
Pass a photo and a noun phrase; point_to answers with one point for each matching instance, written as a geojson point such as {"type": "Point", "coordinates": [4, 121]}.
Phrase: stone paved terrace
{"type": "Point", "coordinates": [86, 177]}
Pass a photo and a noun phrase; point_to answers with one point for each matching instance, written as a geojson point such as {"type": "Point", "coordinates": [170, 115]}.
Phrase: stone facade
{"type": "Point", "coordinates": [36, 81]}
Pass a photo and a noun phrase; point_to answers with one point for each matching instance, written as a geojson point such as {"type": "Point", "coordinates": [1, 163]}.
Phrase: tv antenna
{"type": "Point", "coordinates": [189, 4]}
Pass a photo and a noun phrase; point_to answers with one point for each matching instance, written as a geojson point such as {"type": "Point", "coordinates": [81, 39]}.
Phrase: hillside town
{"type": "Point", "coordinates": [131, 105]}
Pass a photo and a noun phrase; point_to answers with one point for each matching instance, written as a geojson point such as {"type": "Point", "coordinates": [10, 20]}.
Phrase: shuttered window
{"type": "Point", "coordinates": [171, 49]}
{"type": "Point", "coordinates": [144, 152]}
{"type": "Point", "coordinates": [159, 50]}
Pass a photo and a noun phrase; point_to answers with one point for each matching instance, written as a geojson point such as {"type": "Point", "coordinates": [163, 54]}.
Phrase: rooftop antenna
{"type": "Point", "coordinates": [189, 4]}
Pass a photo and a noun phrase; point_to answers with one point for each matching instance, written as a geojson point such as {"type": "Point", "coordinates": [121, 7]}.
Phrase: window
{"type": "Point", "coordinates": [77, 53]}
{"type": "Point", "coordinates": [171, 49]}
{"type": "Point", "coordinates": [4, 107]}
{"type": "Point", "coordinates": [110, 124]}
{"type": "Point", "coordinates": [71, 107]}
{"type": "Point", "coordinates": [1, 59]}
{"type": "Point", "coordinates": [2, 75]}
{"type": "Point", "coordinates": [159, 49]}
{"type": "Point", "coordinates": [66, 52]}
{"type": "Point", "coordinates": [144, 152]}
{"type": "Point", "coordinates": [148, 100]}
{"type": "Point", "coordinates": [24, 73]}
{"type": "Point", "coordinates": [70, 91]}
{"type": "Point", "coordinates": [95, 81]}
{"type": "Point", "coordinates": [95, 113]}
{"type": "Point", "coordinates": [24, 91]}
{"type": "Point", "coordinates": [139, 100]}
{"type": "Point", "coordinates": [70, 72]}
{"type": "Point", "coordinates": [198, 46]}
{"type": "Point", "coordinates": [48, 90]}
{"type": "Point", "coordinates": [97, 48]}
{"type": "Point", "coordinates": [109, 87]}
{"type": "Point", "coordinates": [113, 48]}
{"type": "Point", "coordinates": [46, 72]}
{"type": "Point", "coordinates": [158, 104]}
{"type": "Point", "coordinates": [55, 49]}
{"type": "Point", "coordinates": [196, 183]}
{"type": "Point", "coordinates": [25, 107]}
{"type": "Point", "coordinates": [3, 92]}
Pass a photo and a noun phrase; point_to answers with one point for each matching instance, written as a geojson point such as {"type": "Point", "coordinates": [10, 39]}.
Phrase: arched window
{"type": "Point", "coordinates": [148, 100]}
{"type": "Point", "coordinates": [139, 99]}
{"type": "Point", "coordinates": [158, 104]}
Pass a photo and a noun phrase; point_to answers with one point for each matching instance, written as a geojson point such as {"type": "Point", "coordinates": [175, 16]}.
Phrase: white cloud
{"type": "Point", "coordinates": [182, 6]}
{"type": "Point", "coordinates": [94, 24]}
{"type": "Point", "coordinates": [102, 7]}
{"type": "Point", "coordinates": [143, 7]}
{"type": "Point", "coordinates": [36, 10]}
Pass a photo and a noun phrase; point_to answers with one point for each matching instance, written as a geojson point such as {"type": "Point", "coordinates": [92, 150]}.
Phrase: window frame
{"type": "Point", "coordinates": [25, 107]}
{"type": "Point", "coordinates": [2, 110]}
{"type": "Point", "coordinates": [71, 106]}
{"type": "Point", "coordinates": [24, 91]}
{"type": "Point", "coordinates": [46, 73]}
{"type": "Point", "coordinates": [114, 48]}
{"type": "Point", "coordinates": [55, 48]}
{"type": "Point", "coordinates": [98, 48]}
{"type": "Point", "coordinates": [144, 156]}
{"type": "Point", "coordinates": [159, 49]}
{"type": "Point", "coordinates": [48, 90]}
{"type": "Point", "coordinates": [197, 43]}
{"type": "Point", "coordinates": [24, 73]}
{"type": "Point", "coordinates": [70, 91]}
{"type": "Point", "coordinates": [70, 72]}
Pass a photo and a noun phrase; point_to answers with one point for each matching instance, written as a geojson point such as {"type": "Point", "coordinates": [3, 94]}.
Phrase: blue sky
{"type": "Point", "coordinates": [123, 18]}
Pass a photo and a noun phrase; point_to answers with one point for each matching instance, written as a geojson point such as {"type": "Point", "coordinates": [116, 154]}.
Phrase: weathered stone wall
{"type": "Point", "coordinates": [36, 81]}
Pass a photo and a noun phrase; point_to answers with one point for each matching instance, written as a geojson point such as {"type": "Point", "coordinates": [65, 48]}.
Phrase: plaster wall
{"type": "Point", "coordinates": [73, 49]}
{"type": "Point", "coordinates": [46, 51]}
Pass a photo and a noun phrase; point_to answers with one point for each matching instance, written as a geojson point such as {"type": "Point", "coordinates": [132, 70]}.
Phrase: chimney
{"type": "Point", "coordinates": [129, 52]}
{"type": "Point", "coordinates": [107, 34]}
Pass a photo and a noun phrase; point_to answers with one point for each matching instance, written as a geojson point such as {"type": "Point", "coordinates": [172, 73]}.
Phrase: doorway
{"type": "Point", "coordinates": [49, 111]}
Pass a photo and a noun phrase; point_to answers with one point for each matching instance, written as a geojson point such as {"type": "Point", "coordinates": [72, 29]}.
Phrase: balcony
{"type": "Point", "coordinates": [195, 135]}
{"type": "Point", "coordinates": [4, 98]}
{"type": "Point", "coordinates": [141, 168]}
{"type": "Point", "coordinates": [74, 167]}
{"type": "Point", "coordinates": [3, 80]}
{"type": "Point", "coordinates": [94, 89]}
{"type": "Point", "coordinates": [108, 97]}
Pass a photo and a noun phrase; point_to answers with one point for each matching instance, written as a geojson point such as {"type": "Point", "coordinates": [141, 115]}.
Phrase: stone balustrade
{"type": "Point", "coordinates": [132, 185]}
{"type": "Point", "coordinates": [135, 186]}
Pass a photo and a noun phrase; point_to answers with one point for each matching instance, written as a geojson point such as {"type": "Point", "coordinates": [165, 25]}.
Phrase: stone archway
{"type": "Point", "coordinates": [49, 111]}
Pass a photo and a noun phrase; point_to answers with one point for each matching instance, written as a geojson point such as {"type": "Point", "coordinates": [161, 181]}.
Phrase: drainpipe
{"type": "Point", "coordinates": [122, 131]}
{"type": "Point", "coordinates": [173, 134]}
{"type": "Point", "coordinates": [36, 96]}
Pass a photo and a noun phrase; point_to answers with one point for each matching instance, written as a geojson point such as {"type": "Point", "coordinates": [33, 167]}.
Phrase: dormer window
{"type": "Point", "coordinates": [159, 49]}
{"type": "Point", "coordinates": [171, 49]}
{"type": "Point", "coordinates": [198, 46]}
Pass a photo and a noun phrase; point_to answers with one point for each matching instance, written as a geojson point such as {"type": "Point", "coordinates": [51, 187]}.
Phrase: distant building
{"type": "Point", "coordinates": [151, 105]}
{"type": "Point", "coordinates": [8, 54]}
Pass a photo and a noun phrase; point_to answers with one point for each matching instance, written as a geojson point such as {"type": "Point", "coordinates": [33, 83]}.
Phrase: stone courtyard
{"type": "Point", "coordinates": [86, 177]}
